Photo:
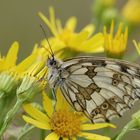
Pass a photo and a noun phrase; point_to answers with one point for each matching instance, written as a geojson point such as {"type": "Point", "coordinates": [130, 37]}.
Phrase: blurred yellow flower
{"type": "Point", "coordinates": [137, 45]}
{"type": "Point", "coordinates": [107, 2]}
{"type": "Point", "coordinates": [131, 11]}
{"type": "Point", "coordinates": [115, 46]}
{"type": "Point", "coordinates": [63, 123]}
{"type": "Point", "coordinates": [66, 42]}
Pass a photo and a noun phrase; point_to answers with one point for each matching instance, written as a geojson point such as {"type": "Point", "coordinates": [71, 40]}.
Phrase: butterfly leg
{"type": "Point", "coordinates": [54, 97]}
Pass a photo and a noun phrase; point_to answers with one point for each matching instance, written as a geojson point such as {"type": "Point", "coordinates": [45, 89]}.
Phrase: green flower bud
{"type": "Point", "coordinates": [31, 84]}
{"type": "Point", "coordinates": [8, 83]}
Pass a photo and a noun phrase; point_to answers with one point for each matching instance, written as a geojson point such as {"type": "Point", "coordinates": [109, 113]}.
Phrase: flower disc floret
{"type": "Point", "coordinates": [65, 123]}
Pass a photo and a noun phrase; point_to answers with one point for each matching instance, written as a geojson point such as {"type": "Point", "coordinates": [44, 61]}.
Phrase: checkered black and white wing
{"type": "Point", "coordinates": [101, 88]}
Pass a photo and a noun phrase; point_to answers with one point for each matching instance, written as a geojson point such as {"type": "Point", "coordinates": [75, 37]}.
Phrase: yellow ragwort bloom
{"type": "Point", "coordinates": [115, 45]}
{"type": "Point", "coordinates": [131, 11]}
{"type": "Point", "coordinates": [63, 122]}
{"type": "Point", "coordinates": [9, 64]}
{"type": "Point", "coordinates": [66, 42]}
{"type": "Point", "coordinates": [137, 45]}
{"type": "Point", "coordinates": [12, 74]}
{"type": "Point", "coordinates": [21, 81]}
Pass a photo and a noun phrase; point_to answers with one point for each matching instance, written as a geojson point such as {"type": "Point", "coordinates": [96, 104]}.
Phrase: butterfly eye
{"type": "Point", "coordinates": [52, 62]}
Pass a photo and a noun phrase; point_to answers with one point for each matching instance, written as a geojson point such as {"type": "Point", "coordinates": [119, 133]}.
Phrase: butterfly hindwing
{"type": "Point", "coordinates": [101, 88]}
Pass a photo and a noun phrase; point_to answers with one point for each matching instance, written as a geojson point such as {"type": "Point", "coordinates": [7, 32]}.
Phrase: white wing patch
{"type": "Point", "coordinates": [82, 80]}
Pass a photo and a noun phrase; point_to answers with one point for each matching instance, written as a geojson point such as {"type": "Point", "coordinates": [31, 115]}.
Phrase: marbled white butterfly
{"type": "Point", "coordinates": [102, 88]}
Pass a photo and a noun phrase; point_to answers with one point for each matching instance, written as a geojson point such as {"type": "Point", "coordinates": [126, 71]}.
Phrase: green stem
{"type": "Point", "coordinates": [42, 134]}
{"type": "Point", "coordinates": [2, 94]}
{"type": "Point", "coordinates": [126, 129]}
{"type": "Point", "coordinates": [25, 130]}
{"type": "Point", "coordinates": [9, 117]}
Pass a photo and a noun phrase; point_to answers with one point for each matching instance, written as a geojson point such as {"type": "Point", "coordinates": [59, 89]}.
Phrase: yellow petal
{"type": "Point", "coordinates": [96, 126]}
{"type": "Point", "coordinates": [11, 57]}
{"type": "Point", "coordinates": [71, 24]}
{"type": "Point", "coordinates": [78, 39]}
{"type": "Point", "coordinates": [46, 20]}
{"type": "Point", "coordinates": [35, 113]}
{"type": "Point", "coordinates": [73, 138]}
{"type": "Point", "coordinates": [119, 31]}
{"type": "Point", "coordinates": [26, 63]}
{"type": "Point", "coordinates": [55, 43]}
{"type": "Point", "coordinates": [92, 136]}
{"type": "Point", "coordinates": [89, 28]}
{"type": "Point", "coordinates": [52, 136]}
{"type": "Point", "coordinates": [36, 123]}
{"type": "Point", "coordinates": [47, 104]}
{"type": "Point", "coordinates": [64, 138]}
{"type": "Point", "coordinates": [52, 16]}
{"type": "Point", "coordinates": [61, 101]}
{"type": "Point", "coordinates": [59, 26]}
{"type": "Point", "coordinates": [112, 28]}
{"type": "Point", "coordinates": [93, 45]}
{"type": "Point", "coordinates": [35, 48]}
{"type": "Point", "coordinates": [85, 119]}
{"type": "Point", "coordinates": [137, 45]}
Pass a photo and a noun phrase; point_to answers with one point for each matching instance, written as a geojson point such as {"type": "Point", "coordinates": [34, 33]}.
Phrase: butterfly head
{"type": "Point", "coordinates": [52, 62]}
{"type": "Point", "coordinates": [53, 70]}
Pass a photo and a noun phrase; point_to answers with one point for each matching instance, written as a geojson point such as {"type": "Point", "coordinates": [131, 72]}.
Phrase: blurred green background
{"type": "Point", "coordinates": [19, 21]}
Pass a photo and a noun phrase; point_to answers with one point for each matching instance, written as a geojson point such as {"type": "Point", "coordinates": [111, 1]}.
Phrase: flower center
{"type": "Point", "coordinates": [66, 123]}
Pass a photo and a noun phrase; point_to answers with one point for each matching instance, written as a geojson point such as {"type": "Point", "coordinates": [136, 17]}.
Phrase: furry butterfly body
{"type": "Point", "coordinates": [101, 88]}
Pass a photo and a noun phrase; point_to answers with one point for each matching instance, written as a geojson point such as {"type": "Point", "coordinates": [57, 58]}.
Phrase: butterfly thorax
{"type": "Point", "coordinates": [54, 72]}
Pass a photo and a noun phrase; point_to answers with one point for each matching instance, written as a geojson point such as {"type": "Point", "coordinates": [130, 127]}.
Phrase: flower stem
{"type": "Point", "coordinates": [126, 129]}
{"type": "Point", "coordinates": [42, 134]}
{"type": "Point", "coordinates": [2, 94]}
{"type": "Point", "coordinates": [25, 130]}
{"type": "Point", "coordinates": [9, 117]}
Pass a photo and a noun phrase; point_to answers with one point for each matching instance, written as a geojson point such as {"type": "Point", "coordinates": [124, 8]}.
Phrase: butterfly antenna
{"type": "Point", "coordinates": [51, 51]}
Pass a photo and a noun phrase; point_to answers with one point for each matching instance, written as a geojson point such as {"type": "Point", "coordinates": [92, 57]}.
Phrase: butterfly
{"type": "Point", "coordinates": [101, 88]}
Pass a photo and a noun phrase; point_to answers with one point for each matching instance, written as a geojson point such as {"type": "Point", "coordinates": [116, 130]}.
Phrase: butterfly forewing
{"type": "Point", "coordinates": [101, 88]}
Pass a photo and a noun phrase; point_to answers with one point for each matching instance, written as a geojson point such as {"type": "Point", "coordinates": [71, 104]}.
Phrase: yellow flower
{"type": "Point", "coordinates": [12, 74]}
{"type": "Point", "coordinates": [66, 42]}
{"type": "Point", "coordinates": [115, 46]}
{"type": "Point", "coordinates": [21, 81]}
{"type": "Point", "coordinates": [63, 122]}
{"type": "Point", "coordinates": [137, 45]}
{"type": "Point", "coordinates": [33, 82]}
{"type": "Point", "coordinates": [8, 63]}
{"type": "Point", "coordinates": [32, 73]}
{"type": "Point", "coordinates": [131, 11]}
